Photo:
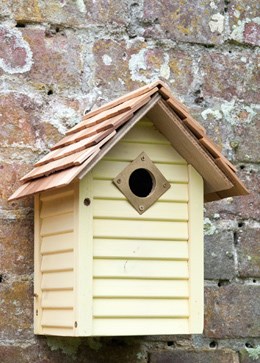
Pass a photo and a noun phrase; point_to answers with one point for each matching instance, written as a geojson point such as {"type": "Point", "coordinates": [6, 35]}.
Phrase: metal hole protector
{"type": "Point", "coordinates": [160, 184]}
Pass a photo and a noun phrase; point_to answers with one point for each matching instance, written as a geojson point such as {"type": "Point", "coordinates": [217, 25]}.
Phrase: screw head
{"type": "Point", "coordinates": [164, 185]}
{"type": "Point", "coordinates": [87, 202]}
{"type": "Point", "coordinates": [143, 158]}
{"type": "Point", "coordinates": [141, 208]}
{"type": "Point", "coordinates": [118, 181]}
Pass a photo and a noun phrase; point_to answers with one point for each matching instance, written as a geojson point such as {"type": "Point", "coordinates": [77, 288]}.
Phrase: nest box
{"type": "Point", "coordinates": [119, 219]}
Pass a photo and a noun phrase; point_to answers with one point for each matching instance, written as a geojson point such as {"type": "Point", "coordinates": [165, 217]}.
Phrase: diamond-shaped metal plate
{"type": "Point", "coordinates": [159, 184]}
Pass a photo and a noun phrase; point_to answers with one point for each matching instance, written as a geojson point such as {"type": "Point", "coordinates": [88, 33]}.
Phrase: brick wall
{"type": "Point", "coordinates": [58, 58]}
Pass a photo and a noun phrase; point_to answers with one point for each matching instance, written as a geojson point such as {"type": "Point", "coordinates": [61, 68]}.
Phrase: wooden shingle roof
{"type": "Point", "coordinates": [87, 142]}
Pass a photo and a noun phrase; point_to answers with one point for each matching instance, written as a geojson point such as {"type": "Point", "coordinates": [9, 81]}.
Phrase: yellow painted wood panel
{"type": "Point", "coordinates": [145, 133]}
{"type": "Point", "coordinates": [107, 190]}
{"type": "Point", "coordinates": [196, 251]}
{"type": "Point", "coordinates": [126, 151]}
{"type": "Point", "coordinates": [57, 262]}
{"type": "Point", "coordinates": [123, 209]}
{"type": "Point", "coordinates": [58, 299]}
{"type": "Point", "coordinates": [135, 326]}
{"type": "Point", "coordinates": [57, 280]}
{"type": "Point", "coordinates": [144, 249]}
{"type": "Point", "coordinates": [84, 259]}
{"type": "Point", "coordinates": [58, 318]}
{"type": "Point", "coordinates": [140, 269]}
{"type": "Point", "coordinates": [58, 331]}
{"type": "Point", "coordinates": [37, 311]}
{"type": "Point", "coordinates": [140, 288]}
{"type": "Point", "coordinates": [57, 193]}
{"type": "Point", "coordinates": [139, 229]}
{"type": "Point", "coordinates": [57, 243]}
{"type": "Point", "coordinates": [140, 308]}
{"type": "Point", "coordinates": [60, 224]}
{"type": "Point", "coordinates": [110, 169]}
{"type": "Point", "coordinates": [57, 206]}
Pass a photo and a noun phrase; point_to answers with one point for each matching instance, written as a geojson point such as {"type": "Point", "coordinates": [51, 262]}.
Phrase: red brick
{"type": "Point", "coordinates": [219, 257]}
{"type": "Point", "coordinates": [228, 75]}
{"type": "Point", "coordinates": [184, 21]}
{"type": "Point", "coordinates": [18, 119]}
{"type": "Point", "coordinates": [16, 246]}
{"type": "Point", "coordinates": [69, 13]}
{"type": "Point", "coordinates": [240, 207]}
{"type": "Point", "coordinates": [242, 21]}
{"type": "Point", "coordinates": [252, 33]}
{"type": "Point", "coordinates": [57, 59]}
{"type": "Point", "coordinates": [11, 173]}
{"type": "Point", "coordinates": [16, 310]}
{"type": "Point", "coordinates": [182, 356]}
{"type": "Point", "coordinates": [15, 54]}
{"type": "Point", "coordinates": [232, 311]}
{"type": "Point", "coordinates": [16, 354]}
{"type": "Point", "coordinates": [140, 64]}
{"type": "Point", "coordinates": [245, 358]}
{"type": "Point", "coordinates": [248, 248]}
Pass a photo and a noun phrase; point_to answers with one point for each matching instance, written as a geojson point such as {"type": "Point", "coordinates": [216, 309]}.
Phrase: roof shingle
{"type": "Point", "coordinates": [83, 145]}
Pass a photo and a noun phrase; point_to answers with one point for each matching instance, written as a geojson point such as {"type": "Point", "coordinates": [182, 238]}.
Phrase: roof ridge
{"type": "Point", "coordinates": [123, 98]}
{"type": "Point", "coordinates": [88, 141]}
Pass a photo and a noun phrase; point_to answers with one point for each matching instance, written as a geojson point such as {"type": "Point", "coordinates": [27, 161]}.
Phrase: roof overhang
{"type": "Point", "coordinates": [89, 141]}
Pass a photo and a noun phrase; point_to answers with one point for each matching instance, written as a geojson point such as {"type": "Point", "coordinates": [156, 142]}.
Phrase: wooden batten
{"type": "Point", "coordinates": [196, 252]}
{"type": "Point", "coordinates": [84, 260]}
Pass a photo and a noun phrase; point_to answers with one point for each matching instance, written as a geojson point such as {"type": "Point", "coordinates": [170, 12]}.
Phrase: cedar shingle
{"type": "Point", "coordinates": [82, 146]}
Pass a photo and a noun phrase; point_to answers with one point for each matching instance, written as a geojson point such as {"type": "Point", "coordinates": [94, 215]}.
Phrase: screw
{"type": "Point", "coordinates": [143, 158]}
{"type": "Point", "coordinates": [164, 185]}
{"type": "Point", "coordinates": [87, 202]}
{"type": "Point", "coordinates": [141, 208]}
{"type": "Point", "coordinates": [37, 312]}
{"type": "Point", "coordinates": [75, 324]}
{"type": "Point", "coordinates": [118, 181]}
{"type": "Point", "coordinates": [35, 295]}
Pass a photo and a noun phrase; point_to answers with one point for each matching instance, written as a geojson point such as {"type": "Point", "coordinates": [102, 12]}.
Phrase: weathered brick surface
{"type": "Point", "coordinates": [15, 54]}
{"type": "Point", "coordinates": [58, 58]}
{"type": "Point", "coordinates": [19, 119]}
{"type": "Point", "coordinates": [197, 22]}
{"type": "Point", "coordinates": [180, 356]}
{"type": "Point", "coordinates": [219, 256]}
{"type": "Point", "coordinates": [16, 246]}
{"type": "Point", "coordinates": [230, 75]}
{"type": "Point", "coordinates": [248, 247]}
{"type": "Point", "coordinates": [245, 358]}
{"type": "Point", "coordinates": [11, 173]}
{"type": "Point", "coordinates": [232, 311]}
{"type": "Point", "coordinates": [248, 151]}
{"type": "Point", "coordinates": [240, 207]}
{"type": "Point", "coordinates": [79, 14]}
{"type": "Point", "coordinates": [16, 310]}
{"type": "Point", "coordinates": [244, 21]}
{"type": "Point", "coordinates": [140, 63]}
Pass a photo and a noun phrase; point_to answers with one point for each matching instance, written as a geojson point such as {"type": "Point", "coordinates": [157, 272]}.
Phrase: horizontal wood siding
{"type": "Point", "coordinates": [104, 189]}
{"type": "Point", "coordinates": [140, 262]}
{"type": "Point", "coordinates": [142, 288]}
{"type": "Point", "coordinates": [140, 249]}
{"type": "Point", "coordinates": [139, 326]}
{"type": "Point", "coordinates": [126, 268]}
{"type": "Point", "coordinates": [121, 209]}
{"type": "Point", "coordinates": [125, 308]}
{"type": "Point", "coordinates": [56, 268]}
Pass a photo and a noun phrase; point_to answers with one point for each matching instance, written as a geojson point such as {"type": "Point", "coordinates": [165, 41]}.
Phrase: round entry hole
{"type": "Point", "coordinates": [141, 182]}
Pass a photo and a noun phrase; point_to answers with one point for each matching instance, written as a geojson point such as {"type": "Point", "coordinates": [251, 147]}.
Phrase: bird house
{"type": "Point", "coordinates": [119, 219]}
